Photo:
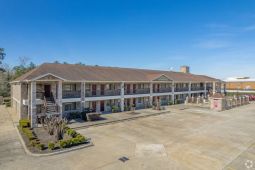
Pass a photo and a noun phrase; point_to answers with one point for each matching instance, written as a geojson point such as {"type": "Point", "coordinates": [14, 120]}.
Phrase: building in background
{"type": "Point", "coordinates": [244, 85]}
{"type": "Point", "coordinates": [185, 69]}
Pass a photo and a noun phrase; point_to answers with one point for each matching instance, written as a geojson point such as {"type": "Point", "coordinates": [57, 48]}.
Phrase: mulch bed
{"type": "Point", "coordinates": [44, 138]}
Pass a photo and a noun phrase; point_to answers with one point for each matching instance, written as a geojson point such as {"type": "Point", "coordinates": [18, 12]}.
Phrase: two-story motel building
{"type": "Point", "coordinates": [64, 88]}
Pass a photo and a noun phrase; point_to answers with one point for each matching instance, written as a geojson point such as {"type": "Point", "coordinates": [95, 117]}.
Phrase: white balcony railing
{"type": "Point", "coordinates": [137, 91]}
{"type": "Point", "coordinates": [71, 94]}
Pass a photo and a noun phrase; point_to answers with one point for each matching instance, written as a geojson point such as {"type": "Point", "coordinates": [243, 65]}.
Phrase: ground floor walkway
{"type": "Point", "coordinates": [117, 117]}
{"type": "Point", "coordinates": [188, 138]}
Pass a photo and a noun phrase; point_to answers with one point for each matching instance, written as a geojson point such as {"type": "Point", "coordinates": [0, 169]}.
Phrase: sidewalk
{"type": "Point", "coordinates": [14, 116]}
{"type": "Point", "coordinates": [9, 141]}
{"type": "Point", "coordinates": [117, 117]}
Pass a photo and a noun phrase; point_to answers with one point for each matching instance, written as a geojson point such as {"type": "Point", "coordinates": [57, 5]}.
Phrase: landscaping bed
{"type": "Point", "coordinates": [38, 140]}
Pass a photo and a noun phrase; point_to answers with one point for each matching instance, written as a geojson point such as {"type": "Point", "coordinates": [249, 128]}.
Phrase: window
{"type": "Point", "coordinates": [139, 100]}
{"type": "Point", "coordinates": [67, 87]}
{"type": "Point", "coordinates": [70, 106]}
{"type": "Point", "coordinates": [108, 86]}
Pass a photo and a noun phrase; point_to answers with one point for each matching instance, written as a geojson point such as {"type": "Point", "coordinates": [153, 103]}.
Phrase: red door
{"type": "Point", "coordinates": [154, 87]}
{"type": "Point", "coordinates": [102, 89]}
{"type": "Point", "coordinates": [128, 102]}
{"type": "Point", "coordinates": [128, 88]}
{"type": "Point", "coordinates": [102, 106]}
{"type": "Point", "coordinates": [94, 106]}
{"type": "Point", "coordinates": [134, 102]}
{"type": "Point", "coordinates": [47, 91]}
{"type": "Point", "coordinates": [134, 88]}
{"type": "Point", "coordinates": [94, 89]}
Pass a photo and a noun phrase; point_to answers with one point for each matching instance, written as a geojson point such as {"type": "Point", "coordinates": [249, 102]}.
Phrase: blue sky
{"type": "Point", "coordinates": [214, 37]}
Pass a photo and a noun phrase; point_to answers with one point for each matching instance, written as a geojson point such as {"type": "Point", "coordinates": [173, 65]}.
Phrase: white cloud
{"type": "Point", "coordinates": [249, 28]}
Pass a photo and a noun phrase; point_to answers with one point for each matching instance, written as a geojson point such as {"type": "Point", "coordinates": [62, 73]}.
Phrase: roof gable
{"type": "Point", "coordinates": [48, 77]}
{"type": "Point", "coordinates": [162, 78]}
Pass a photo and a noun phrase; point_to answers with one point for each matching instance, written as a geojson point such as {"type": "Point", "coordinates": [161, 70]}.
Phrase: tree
{"type": "Point", "coordinates": [23, 67]}
{"type": "Point", "coordinates": [23, 60]}
{"type": "Point", "coordinates": [2, 55]}
{"type": "Point", "coordinates": [7, 74]}
{"type": "Point", "coordinates": [80, 63]}
{"type": "Point", "coordinates": [31, 66]}
{"type": "Point", "coordinates": [4, 76]}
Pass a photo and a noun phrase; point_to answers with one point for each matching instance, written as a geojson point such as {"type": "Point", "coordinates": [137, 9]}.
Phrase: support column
{"type": "Point", "coordinates": [20, 110]}
{"type": "Point", "coordinates": [151, 94]}
{"type": "Point", "coordinates": [189, 89]}
{"type": "Point", "coordinates": [83, 86]}
{"type": "Point", "coordinates": [98, 106]}
{"type": "Point", "coordinates": [131, 88]}
{"type": "Point", "coordinates": [60, 98]}
{"type": "Point", "coordinates": [122, 90]}
{"type": "Point", "coordinates": [224, 88]}
{"type": "Point", "coordinates": [172, 92]}
{"type": "Point", "coordinates": [29, 101]}
{"type": "Point", "coordinates": [33, 104]}
{"type": "Point", "coordinates": [214, 87]}
{"type": "Point", "coordinates": [205, 90]}
{"type": "Point", "coordinates": [98, 89]}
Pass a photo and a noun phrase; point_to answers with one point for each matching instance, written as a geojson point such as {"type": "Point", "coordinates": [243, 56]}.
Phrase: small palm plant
{"type": "Point", "coordinates": [56, 126]}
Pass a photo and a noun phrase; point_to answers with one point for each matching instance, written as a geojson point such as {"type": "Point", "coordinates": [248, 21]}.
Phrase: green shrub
{"type": "Point", "coordinates": [126, 108]}
{"type": "Point", "coordinates": [7, 100]}
{"type": "Point", "coordinates": [8, 104]}
{"type": "Point", "coordinates": [34, 142]}
{"type": "Point", "coordinates": [40, 146]}
{"type": "Point", "coordinates": [71, 132]}
{"type": "Point", "coordinates": [115, 109]}
{"type": "Point", "coordinates": [74, 115]}
{"type": "Point", "coordinates": [24, 123]}
{"type": "Point", "coordinates": [84, 116]}
{"type": "Point", "coordinates": [29, 133]}
{"type": "Point", "coordinates": [81, 138]}
{"type": "Point", "coordinates": [75, 141]}
{"type": "Point", "coordinates": [51, 145]}
{"type": "Point", "coordinates": [66, 128]}
{"type": "Point", "coordinates": [63, 144]}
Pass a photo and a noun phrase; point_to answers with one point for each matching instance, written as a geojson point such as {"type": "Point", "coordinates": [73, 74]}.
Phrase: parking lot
{"type": "Point", "coordinates": [192, 138]}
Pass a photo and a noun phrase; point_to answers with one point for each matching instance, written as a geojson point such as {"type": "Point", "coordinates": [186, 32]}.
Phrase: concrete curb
{"type": "Point", "coordinates": [50, 154]}
{"type": "Point", "coordinates": [120, 120]}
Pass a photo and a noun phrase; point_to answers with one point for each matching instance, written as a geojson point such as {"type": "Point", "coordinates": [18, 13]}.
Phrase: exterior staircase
{"type": "Point", "coordinates": [50, 106]}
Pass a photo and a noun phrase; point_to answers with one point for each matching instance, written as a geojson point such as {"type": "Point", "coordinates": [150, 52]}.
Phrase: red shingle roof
{"type": "Point", "coordinates": [73, 72]}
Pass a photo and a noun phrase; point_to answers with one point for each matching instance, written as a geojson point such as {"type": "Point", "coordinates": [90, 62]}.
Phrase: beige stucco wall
{"type": "Point", "coordinates": [18, 93]}
{"type": "Point", "coordinates": [16, 98]}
